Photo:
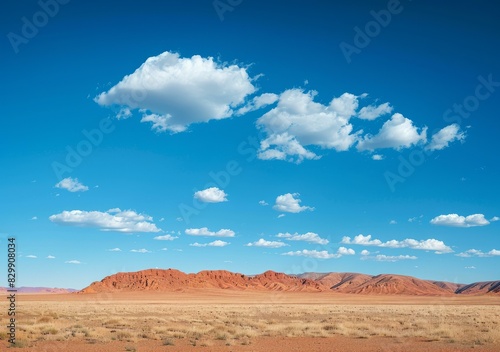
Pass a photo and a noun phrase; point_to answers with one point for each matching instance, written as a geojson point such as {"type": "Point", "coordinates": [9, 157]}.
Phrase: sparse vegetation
{"type": "Point", "coordinates": [204, 325]}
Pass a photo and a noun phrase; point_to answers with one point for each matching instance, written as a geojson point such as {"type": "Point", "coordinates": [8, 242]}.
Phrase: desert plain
{"type": "Point", "coordinates": [229, 320]}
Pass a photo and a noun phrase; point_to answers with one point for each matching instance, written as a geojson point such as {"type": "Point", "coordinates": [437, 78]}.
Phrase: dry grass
{"type": "Point", "coordinates": [237, 324]}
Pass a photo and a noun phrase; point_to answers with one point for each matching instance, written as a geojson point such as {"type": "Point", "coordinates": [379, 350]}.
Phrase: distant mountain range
{"type": "Point", "coordinates": [40, 290]}
{"type": "Point", "coordinates": [158, 280]}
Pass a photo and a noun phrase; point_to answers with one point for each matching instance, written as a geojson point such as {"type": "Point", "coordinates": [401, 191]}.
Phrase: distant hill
{"type": "Point", "coordinates": [159, 280]}
{"type": "Point", "coordinates": [40, 290]}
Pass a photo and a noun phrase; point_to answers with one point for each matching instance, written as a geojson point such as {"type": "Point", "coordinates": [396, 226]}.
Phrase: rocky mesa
{"type": "Point", "coordinates": [168, 280]}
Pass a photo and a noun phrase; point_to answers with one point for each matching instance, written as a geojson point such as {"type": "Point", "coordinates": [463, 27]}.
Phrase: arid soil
{"type": "Point", "coordinates": [227, 320]}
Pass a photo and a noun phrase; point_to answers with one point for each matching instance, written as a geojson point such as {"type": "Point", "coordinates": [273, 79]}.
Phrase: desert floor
{"type": "Point", "coordinates": [221, 320]}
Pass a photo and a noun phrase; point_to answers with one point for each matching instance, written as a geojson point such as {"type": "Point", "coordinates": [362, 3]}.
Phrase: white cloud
{"type": "Point", "coordinates": [211, 195]}
{"type": "Point", "coordinates": [298, 121]}
{"type": "Point", "coordinates": [31, 256]}
{"type": "Point", "coordinates": [114, 250]}
{"type": "Point", "coordinates": [72, 185]}
{"type": "Point", "coordinates": [346, 251]}
{"type": "Point", "coordinates": [393, 258]}
{"type": "Point", "coordinates": [73, 262]}
{"type": "Point", "coordinates": [365, 252]}
{"type": "Point", "coordinates": [288, 203]}
{"type": "Point", "coordinates": [175, 92]}
{"type": "Point", "coordinates": [164, 249]}
{"type": "Point", "coordinates": [50, 257]}
{"type": "Point", "coordinates": [206, 232]}
{"type": "Point", "coordinates": [217, 243]}
{"type": "Point", "coordinates": [34, 218]}
{"type": "Point", "coordinates": [445, 136]}
{"type": "Point", "coordinates": [393, 222]}
{"type": "Point", "coordinates": [165, 238]}
{"type": "Point", "coordinates": [142, 250]}
{"type": "Point", "coordinates": [281, 216]}
{"type": "Point", "coordinates": [398, 132]}
{"type": "Point", "coordinates": [111, 220]}
{"type": "Point", "coordinates": [415, 218]}
{"type": "Point", "coordinates": [258, 102]}
{"type": "Point", "coordinates": [460, 221]}
{"type": "Point", "coordinates": [269, 244]}
{"type": "Point", "coordinates": [377, 157]}
{"type": "Point", "coordinates": [470, 267]}
{"type": "Point", "coordinates": [307, 237]}
{"type": "Point", "coordinates": [321, 254]}
{"type": "Point", "coordinates": [263, 202]}
{"type": "Point", "coordinates": [495, 218]}
{"type": "Point", "coordinates": [478, 253]}
{"type": "Point", "coordinates": [371, 112]}
{"type": "Point", "coordinates": [429, 244]}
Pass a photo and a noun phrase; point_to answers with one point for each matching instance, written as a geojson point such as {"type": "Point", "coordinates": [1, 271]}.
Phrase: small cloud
{"type": "Point", "coordinates": [211, 195]}
{"type": "Point", "coordinates": [281, 216]}
{"type": "Point", "coordinates": [470, 267]}
{"type": "Point", "coordinates": [73, 262]}
{"type": "Point", "coordinates": [307, 237]}
{"type": "Point", "coordinates": [415, 218]}
{"type": "Point", "coordinates": [142, 250]}
{"type": "Point", "coordinates": [445, 136]}
{"type": "Point", "coordinates": [179, 219]}
{"type": "Point", "coordinates": [217, 243]}
{"type": "Point", "coordinates": [371, 112]}
{"type": "Point", "coordinates": [50, 257]}
{"type": "Point", "coordinates": [162, 219]}
{"type": "Point", "coordinates": [269, 244]}
{"type": "Point", "coordinates": [393, 258]}
{"type": "Point", "coordinates": [34, 218]}
{"type": "Point", "coordinates": [365, 252]}
{"type": "Point", "coordinates": [72, 185]}
{"type": "Point", "coordinates": [290, 203]}
{"type": "Point", "coordinates": [478, 253]}
{"type": "Point", "coordinates": [430, 244]}
{"type": "Point", "coordinates": [263, 202]}
{"type": "Point", "coordinates": [393, 222]}
{"type": "Point", "coordinates": [31, 256]}
{"type": "Point", "coordinates": [495, 218]}
{"type": "Point", "coordinates": [456, 220]}
{"type": "Point", "coordinates": [115, 249]}
{"type": "Point", "coordinates": [164, 249]}
{"type": "Point", "coordinates": [227, 261]}
{"type": "Point", "coordinates": [165, 238]}
{"type": "Point", "coordinates": [204, 231]}
{"type": "Point", "coordinates": [377, 157]}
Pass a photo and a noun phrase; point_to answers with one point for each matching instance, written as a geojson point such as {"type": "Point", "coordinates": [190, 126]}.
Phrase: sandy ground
{"type": "Point", "coordinates": [254, 321]}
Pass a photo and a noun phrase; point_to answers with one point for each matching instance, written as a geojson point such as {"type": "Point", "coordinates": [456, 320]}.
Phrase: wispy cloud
{"type": "Point", "coordinates": [478, 253]}
{"type": "Point", "coordinates": [114, 250]}
{"type": "Point", "coordinates": [321, 254]}
{"type": "Point", "coordinates": [204, 231]}
{"type": "Point", "coordinates": [217, 243]}
{"type": "Point", "coordinates": [264, 243]}
{"type": "Point", "coordinates": [307, 237]}
{"type": "Point", "coordinates": [142, 250]}
{"type": "Point", "coordinates": [72, 185]}
{"type": "Point", "coordinates": [73, 262]}
{"type": "Point", "coordinates": [165, 238]}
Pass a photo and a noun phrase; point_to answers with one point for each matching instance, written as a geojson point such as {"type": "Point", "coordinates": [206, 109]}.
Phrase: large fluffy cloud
{"type": "Point", "coordinates": [298, 121]}
{"type": "Point", "coordinates": [430, 244]}
{"type": "Point", "coordinates": [460, 221]}
{"type": "Point", "coordinates": [111, 220]}
{"type": "Point", "coordinates": [174, 92]}
{"type": "Point", "coordinates": [398, 132]}
{"type": "Point", "coordinates": [290, 203]}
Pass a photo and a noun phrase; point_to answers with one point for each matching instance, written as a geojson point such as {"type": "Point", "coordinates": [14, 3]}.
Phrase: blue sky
{"type": "Point", "coordinates": [250, 135]}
